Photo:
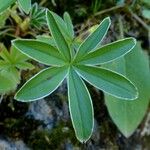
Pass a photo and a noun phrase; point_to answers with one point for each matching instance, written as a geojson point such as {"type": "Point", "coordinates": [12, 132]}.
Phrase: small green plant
{"type": "Point", "coordinates": [25, 5]}
{"type": "Point", "coordinates": [78, 64]}
{"type": "Point", "coordinates": [96, 4]}
{"type": "Point", "coordinates": [37, 16]}
{"type": "Point", "coordinates": [11, 65]}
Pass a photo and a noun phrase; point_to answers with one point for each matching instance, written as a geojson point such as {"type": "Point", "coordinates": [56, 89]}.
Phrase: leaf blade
{"type": "Point", "coordinates": [109, 52]}
{"type": "Point", "coordinates": [39, 51]}
{"type": "Point", "coordinates": [80, 106]}
{"type": "Point", "coordinates": [94, 39]}
{"type": "Point", "coordinates": [128, 115]}
{"type": "Point", "coordinates": [5, 4]}
{"type": "Point", "coordinates": [57, 35]}
{"type": "Point", "coordinates": [45, 81]}
{"type": "Point", "coordinates": [69, 24]}
{"type": "Point", "coordinates": [25, 5]}
{"type": "Point", "coordinates": [108, 81]}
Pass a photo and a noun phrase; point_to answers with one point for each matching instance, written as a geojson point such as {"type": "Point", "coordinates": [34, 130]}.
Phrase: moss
{"type": "Point", "coordinates": [56, 139]}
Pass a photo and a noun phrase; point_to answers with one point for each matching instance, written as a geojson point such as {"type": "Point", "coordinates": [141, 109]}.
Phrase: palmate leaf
{"type": "Point", "coordinates": [39, 51]}
{"type": "Point", "coordinates": [128, 115]}
{"type": "Point", "coordinates": [57, 35]}
{"type": "Point", "coordinates": [42, 84]}
{"type": "Point", "coordinates": [37, 16]}
{"type": "Point", "coordinates": [4, 4]}
{"type": "Point", "coordinates": [93, 39]}
{"type": "Point", "coordinates": [10, 62]}
{"type": "Point", "coordinates": [108, 81]}
{"type": "Point", "coordinates": [80, 105]}
{"type": "Point", "coordinates": [109, 52]}
{"type": "Point", "coordinates": [25, 5]}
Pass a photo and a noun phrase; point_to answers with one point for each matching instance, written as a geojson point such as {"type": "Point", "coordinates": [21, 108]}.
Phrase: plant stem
{"type": "Point", "coordinates": [42, 2]}
{"type": "Point", "coordinates": [1, 98]}
{"type": "Point", "coordinates": [139, 19]}
{"type": "Point", "coordinates": [121, 26]}
{"type": "Point", "coordinates": [142, 23]}
{"type": "Point", "coordinates": [109, 9]}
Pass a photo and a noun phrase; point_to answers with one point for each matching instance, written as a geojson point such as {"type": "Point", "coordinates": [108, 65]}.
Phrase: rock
{"type": "Point", "coordinates": [40, 110]}
{"type": "Point", "coordinates": [146, 130]}
{"type": "Point", "coordinates": [12, 145]}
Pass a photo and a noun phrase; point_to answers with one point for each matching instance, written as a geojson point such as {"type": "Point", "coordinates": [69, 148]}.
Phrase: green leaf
{"type": "Point", "coordinates": [57, 35]}
{"type": "Point", "coordinates": [108, 81]}
{"type": "Point", "coordinates": [80, 105]}
{"type": "Point", "coordinates": [4, 53]}
{"type": "Point", "coordinates": [146, 13]}
{"type": "Point", "coordinates": [128, 115]}
{"type": "Point", "coordinates": [25, 5]}
{"type": "Point", "coordinates": [24, 66]}
{"type": "Point", "coordinates": [39, 51]}
{"type": "Point", "coordinates": [4, 4]}
{"type": "Point", "coordinates": [17, 56]}
{"type": "Point", "coordinates": [6, 84]}
{"type": "Point", "coordinates": [46, 39]}
{"type": "Point", "coordinates": [3, 18]}
{"type": "Point", "coordinates": [37, 16]}
{"type": "Point", "coordinates": [14, 74]}
{"type": "Point", "coordinates": [69, 24]}
{"type": "Point", "coordinates": [63, 27]}
{"type": "Point", "coordinates": [94, 39]}
{"type": "Point", "coordinates": [109, 52]}
{"type": "Point", "coordinates": [9, 78]}
{"type": "Point", "coordinates": [42, 84]}
{"type": "Point", "coordinates": [3, 64]}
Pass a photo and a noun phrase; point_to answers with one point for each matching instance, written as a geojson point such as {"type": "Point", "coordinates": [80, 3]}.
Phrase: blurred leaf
{"type": "Point", "coordinates": [146, 13]}
{"type": "Point", "coordinates": [10, 62]}
{"type": "Point", "coordinates": [7, 84]}
{"type": "Point", "coordinates": [147, 2]}
{"type": "Point", "coordinates": [3, 17]}
{"type": "Point", "coordinates": [127, 115]}
{"type": "Point", "coordinates": [4, 4]}
{"type": "Point", "coordinates": [25, 5]}
{"type": "Point", "coordinates": [37, 16]}
{"type": "Point", "coordinates": [24, 66]}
